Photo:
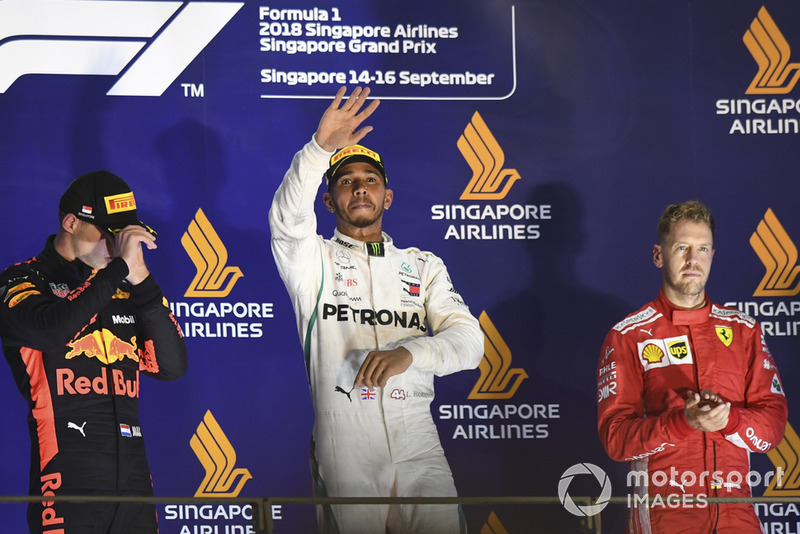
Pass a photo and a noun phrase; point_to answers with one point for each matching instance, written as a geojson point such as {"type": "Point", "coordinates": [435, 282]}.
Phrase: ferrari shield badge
{"type": "Point", "coordinates": [725, 334]}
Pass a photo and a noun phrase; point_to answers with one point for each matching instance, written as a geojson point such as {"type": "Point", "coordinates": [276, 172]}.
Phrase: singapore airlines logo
{"type": "Point", "coordinates": [210, 257]}
{"type": "Point", "coordinates": [493, 525]}
{"type": "Point", "coordinates": [152, 42]}
{"type": "Point", "coordinates": [486, 159]}
{"type": "Point", "coordinates": [778, 253]}
{"type": "Point", "coordinates": [786, 459]}
{"type": "Point", "coordinates": [772, 53]}
{"type": "Point", "coordinates": [497, 380]}
{"type": "Point", "coordinates": [218, 457]}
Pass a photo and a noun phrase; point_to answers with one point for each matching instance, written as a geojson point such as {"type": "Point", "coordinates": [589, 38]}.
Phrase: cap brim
{"type": "Point", "coordinates": [115, 231]}
{"type": "Point", "coordinates": [333, 171]}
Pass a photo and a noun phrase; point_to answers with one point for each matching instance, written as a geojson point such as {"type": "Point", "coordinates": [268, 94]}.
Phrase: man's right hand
{"type": "Point", "coordinates": [380, 365]}
{"type": "Point", "coordinates": [706, 412]}
{"type": "Point", "coordinates": [337, 128]}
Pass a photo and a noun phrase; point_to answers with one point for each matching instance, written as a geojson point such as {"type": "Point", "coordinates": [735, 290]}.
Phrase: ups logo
{"type": "Point", "coordinates": [678, 349]}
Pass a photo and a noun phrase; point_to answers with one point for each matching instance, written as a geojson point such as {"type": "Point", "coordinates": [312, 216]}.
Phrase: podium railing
{"type": "Point", "coordinates": [263, 522]}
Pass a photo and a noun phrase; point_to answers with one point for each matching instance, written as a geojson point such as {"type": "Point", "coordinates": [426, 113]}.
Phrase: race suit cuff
{"type": "Point", "coordinates": [116, 269]}
{"type": "Point", "coordinates": [678, 425]}
{"type": "Point", "coordinates": [319, 151]}
{"type": "Point", "coordinates": [733, 421]}
{"type": "Point", "coordinates": [420, 359]}
{"type": "Point", "coordinates": [146, 292]}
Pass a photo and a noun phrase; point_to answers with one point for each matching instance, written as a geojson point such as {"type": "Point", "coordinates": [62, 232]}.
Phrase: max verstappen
{"type": "Point", "coordinates": [80, 323]}
{"type": "Point", "coordinates": [687, 389]}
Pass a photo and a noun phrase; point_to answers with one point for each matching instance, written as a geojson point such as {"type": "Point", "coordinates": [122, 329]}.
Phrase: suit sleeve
{"type": "Point", "coordinates": [162, 351]}
{"type": "Point", "coordinates": [292, 221]}
{"type": "Point", "coordinates": [759, 422]}
{"type": "Point", "coordinates": [457, 341]}
{"type": "Point", "coordinates": [32, 316]}
{"type": "Point", "coordinates": [625, 431]}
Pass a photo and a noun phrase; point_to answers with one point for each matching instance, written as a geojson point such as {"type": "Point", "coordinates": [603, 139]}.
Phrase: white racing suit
{"type": "Point", "coordinates": [351, 298]}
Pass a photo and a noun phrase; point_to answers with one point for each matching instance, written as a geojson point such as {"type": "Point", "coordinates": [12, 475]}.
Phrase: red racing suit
{"type": "Point", "coordinates": [647, 364]}
{"type": "Point", "coordinates": [77, 341]}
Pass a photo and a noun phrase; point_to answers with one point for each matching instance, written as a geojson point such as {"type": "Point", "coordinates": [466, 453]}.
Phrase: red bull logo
{"type": "Point", "coordinates": [68, 384]}
{"type": "Point", "coordinates": [104, 346]}
{"type": "Point", "coordinates": [50, 519]}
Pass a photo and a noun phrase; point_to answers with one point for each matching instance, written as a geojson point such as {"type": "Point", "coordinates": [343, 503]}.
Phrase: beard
{"type": "Point", "coordinates": [692, 287]}
{"type": "Point", "coordinates": [364, 222]}
{"type": "Point", "coordinates": [360, 220]}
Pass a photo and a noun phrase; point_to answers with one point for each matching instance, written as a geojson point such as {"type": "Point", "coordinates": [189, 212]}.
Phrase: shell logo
{"type": "Point", "coordinates": [652, 353]}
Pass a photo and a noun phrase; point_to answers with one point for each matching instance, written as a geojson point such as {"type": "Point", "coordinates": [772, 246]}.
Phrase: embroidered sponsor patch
{"type": "Point", "coordinates": [655, 353]}
{"type": "Point", "coordinates": [638, 318]}
{"type": "Point", "coordinates": [678, 349]}
{"type": "Point", "coordinates": [20, 292]}
{"type": "Point", "coordinates": [776, 386]}
{"type": "Point", "coordinates": [725, 334]}
{"type": "Point", "coordinates": [59, 290]}
{"type": "Point", "coordinates": [652, 353]}
{"type": "Point", "coordinates": [411, 288]}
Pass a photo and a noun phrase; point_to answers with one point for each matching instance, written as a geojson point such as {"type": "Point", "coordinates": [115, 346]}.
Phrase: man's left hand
{"type": "Point", "coordinates": [381, 365]}
{"type": "Point", "coordinates": [705, 411]}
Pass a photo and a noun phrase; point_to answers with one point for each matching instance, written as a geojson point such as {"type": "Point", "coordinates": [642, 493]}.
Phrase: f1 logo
{"type": "Point", "coordinates": [153, 41]}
